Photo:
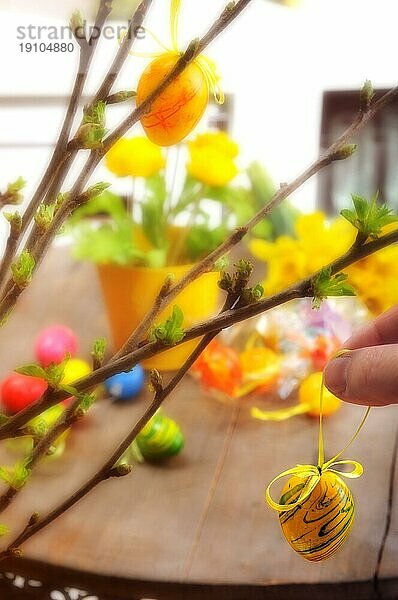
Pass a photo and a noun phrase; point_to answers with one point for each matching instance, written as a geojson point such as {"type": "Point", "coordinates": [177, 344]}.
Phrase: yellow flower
{"type": "Point", "coordinates": [218, 140]}
{"type": "Point", "coordinates": [212, 158]}
{"type": "Point", "coordinates": [135, 157]}
{"type": "Point", "coordinates": [319, 242]}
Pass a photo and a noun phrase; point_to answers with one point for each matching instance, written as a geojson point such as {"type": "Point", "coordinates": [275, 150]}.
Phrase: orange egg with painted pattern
{"type": "Point", "coordinates": [179, 108]}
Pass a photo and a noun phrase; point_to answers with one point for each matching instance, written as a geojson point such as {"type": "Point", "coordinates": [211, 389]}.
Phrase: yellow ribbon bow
{"type": "Point", "coordinates": [313, 473]}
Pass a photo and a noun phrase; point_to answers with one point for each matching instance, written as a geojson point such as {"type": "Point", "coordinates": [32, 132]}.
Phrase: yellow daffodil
{"type": "Point", "coordinates": [135, 157]}
{"type": "Point", "coordinates": [212, 158]}
{"type": "Point", "coordinates": [317, 243]}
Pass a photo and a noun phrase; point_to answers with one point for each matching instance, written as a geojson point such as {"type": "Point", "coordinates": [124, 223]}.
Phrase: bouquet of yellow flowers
{"type": "Point", "coordinates": [316, 242]}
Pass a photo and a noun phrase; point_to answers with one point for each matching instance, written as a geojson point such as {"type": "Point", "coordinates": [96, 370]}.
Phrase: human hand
{"type": "Point", "coordinates": [368, 374]}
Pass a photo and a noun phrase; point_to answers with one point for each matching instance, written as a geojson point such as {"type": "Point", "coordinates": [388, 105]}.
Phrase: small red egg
{"type": "Point", "coordinates": [54, 344]}
{"type": "Point", "coordinates": [19, 391]}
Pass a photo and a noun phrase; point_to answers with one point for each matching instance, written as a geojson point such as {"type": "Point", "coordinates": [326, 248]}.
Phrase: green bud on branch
{"type": "Point", "coordinates": [34, 518]}
{"type": "Point", "coordinates": [53, 373]}
{"type": "Point", "coordinates": [16, 476]}
{"type": "Point", "coordinates": [170, 332]}
{"type": "Point", "coordinates": [44, 216]}
{"type": "Point", "coordinates": [120, 470]}
{"type": "Point", "coordinates": [77, 25]}
{"type": "Point", "coordinates": [221, 264]}
{"type": "Point", "coordinates": [344, 152]}
{"type": "Point", "coordinates": [92, 130]}
{"type": "Point", "coordinates": [13, 193]}
{"type": "Point", "coordinates": [120, 97]}
{"type": "Point", "coordinates": [325, 285]}
{"type": "Point", "coordinates": [237, 282]}
{"type": "Point", "coordinates": [22, 269]}
{"type": "Point", "coordinates": [369, 217]}
{"type": "Point", "coordinates": [366, 96]}
{"type": "Point", "coordinates": [98, 353]}
{"type": "Point", "coordinates": [251, 295]}
{"type": "Point", "coordinates": [15, 221]}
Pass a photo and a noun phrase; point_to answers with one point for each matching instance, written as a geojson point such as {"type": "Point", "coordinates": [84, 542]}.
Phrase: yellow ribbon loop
{"type": "Point", "coordinates": [175, 10]}
{"type": "Point", "coordinates": [209, 70]}
{"type": "Point", "coordinates": [311, 473]}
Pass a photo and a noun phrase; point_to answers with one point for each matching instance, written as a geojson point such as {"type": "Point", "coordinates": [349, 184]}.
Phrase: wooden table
{"type": "Point", "coordinates": [198, 526]}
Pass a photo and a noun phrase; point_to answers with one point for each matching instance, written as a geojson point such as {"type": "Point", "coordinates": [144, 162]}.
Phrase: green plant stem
{"type": "Point", "coordinates": [301, 289]}
{"type": "Point", "coordinates": [177, 251]}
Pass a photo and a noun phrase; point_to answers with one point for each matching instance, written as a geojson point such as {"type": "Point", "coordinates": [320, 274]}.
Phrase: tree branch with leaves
{"type": "Point", "coordinates": [49, 208]}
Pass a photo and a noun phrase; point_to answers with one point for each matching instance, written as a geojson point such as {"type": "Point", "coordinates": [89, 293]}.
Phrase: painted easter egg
{"type": "Point", "coordinates": [160, 438]}
{"type": "Point", "coordinates": [309, 391]}
{"type": "Point", "coordinates": [219, 368]}
{"type": "Point", "coordinates": [261, 369]}
{"type": "Point", "coordinates": [178, 109]}
{"type": "Point", "coordinates": [319, 526]}
{"type": "Point", "coordinates": [19, 391]}
{"type": "Point", "coordinates": [54, 344]}
{"type": "Point", "coordinates": [124, 386]}
{"type": "Point", "coordinates": [75, 369]}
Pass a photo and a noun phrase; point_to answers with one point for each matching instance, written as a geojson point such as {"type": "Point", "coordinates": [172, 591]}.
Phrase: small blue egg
{"type": "Point", "coordinates": [125, 386]}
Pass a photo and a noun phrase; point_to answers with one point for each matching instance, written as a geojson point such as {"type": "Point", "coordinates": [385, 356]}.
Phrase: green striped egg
{"type": "Point", "coordinates": [319, 526]}
{"type": "Point", "coordinates": [160, 438]}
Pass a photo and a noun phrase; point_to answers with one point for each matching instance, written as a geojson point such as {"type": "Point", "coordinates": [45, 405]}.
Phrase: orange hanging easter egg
{"type": "Point", "coordinates": [179, 108]}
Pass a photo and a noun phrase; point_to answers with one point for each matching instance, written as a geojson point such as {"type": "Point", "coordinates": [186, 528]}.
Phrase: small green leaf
{"type": "Point", "coordinates": [98, 351]}
{"type": "Point", "coordinates": [95, 113]}
{"type": "Point", "coordinates": [53, 373]}
{"type": "Point", "coordinates": [16, 186]}
{"type": "Point", "coordinates": [121, 96]}
{"type": "Point", "coordinates": [369, 217]}
{"type": "Point", "coordinates": [86, 401]}
{"type": "Point", "coordinates": [22, 269]}
{"type": "Point", "coordinates": [15, 220]}
{"type": "Point", "coordinates": [32, 371]}
{"type": "Point", "coordinates": [221, 264]}
{"type": "Point", "coordinates": [90, 136]}
{"type": "Point", "coordinates": [170, 332]}
{"type": "Point", "coordinates": [15, 476]}
{"type": "Point", "coordinates": [4, 530]}
{"type": "Point", "coordinates": [45, 215]}
{"type": "Point", "coordinates": [327, 285]}
{"type": "Point", "coordinates": [97, 189]}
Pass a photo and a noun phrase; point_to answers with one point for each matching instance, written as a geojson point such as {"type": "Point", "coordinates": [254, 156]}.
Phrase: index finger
{"type": "Point", "coordinates": [382, 330]}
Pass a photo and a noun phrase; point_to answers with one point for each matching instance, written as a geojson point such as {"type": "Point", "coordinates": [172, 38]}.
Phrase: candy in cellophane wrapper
{"type": "Point", "coordinates": [266, 357]}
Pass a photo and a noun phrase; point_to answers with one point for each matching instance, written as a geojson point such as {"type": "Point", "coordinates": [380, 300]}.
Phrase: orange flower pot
{"type": "Point", "coordinates": [129, 293]}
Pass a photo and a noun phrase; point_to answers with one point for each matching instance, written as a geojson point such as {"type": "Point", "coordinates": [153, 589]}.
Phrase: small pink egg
{"type": "Point", "coordinates": [54, 344]}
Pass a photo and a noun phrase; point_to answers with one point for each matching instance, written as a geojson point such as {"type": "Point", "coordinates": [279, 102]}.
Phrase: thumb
{"type": "Point", "coordinates": [365, 376]}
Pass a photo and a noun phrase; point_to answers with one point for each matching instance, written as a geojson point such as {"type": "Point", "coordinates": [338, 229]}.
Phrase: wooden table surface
{"type": "Point", "coordinates": [197, 526]}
